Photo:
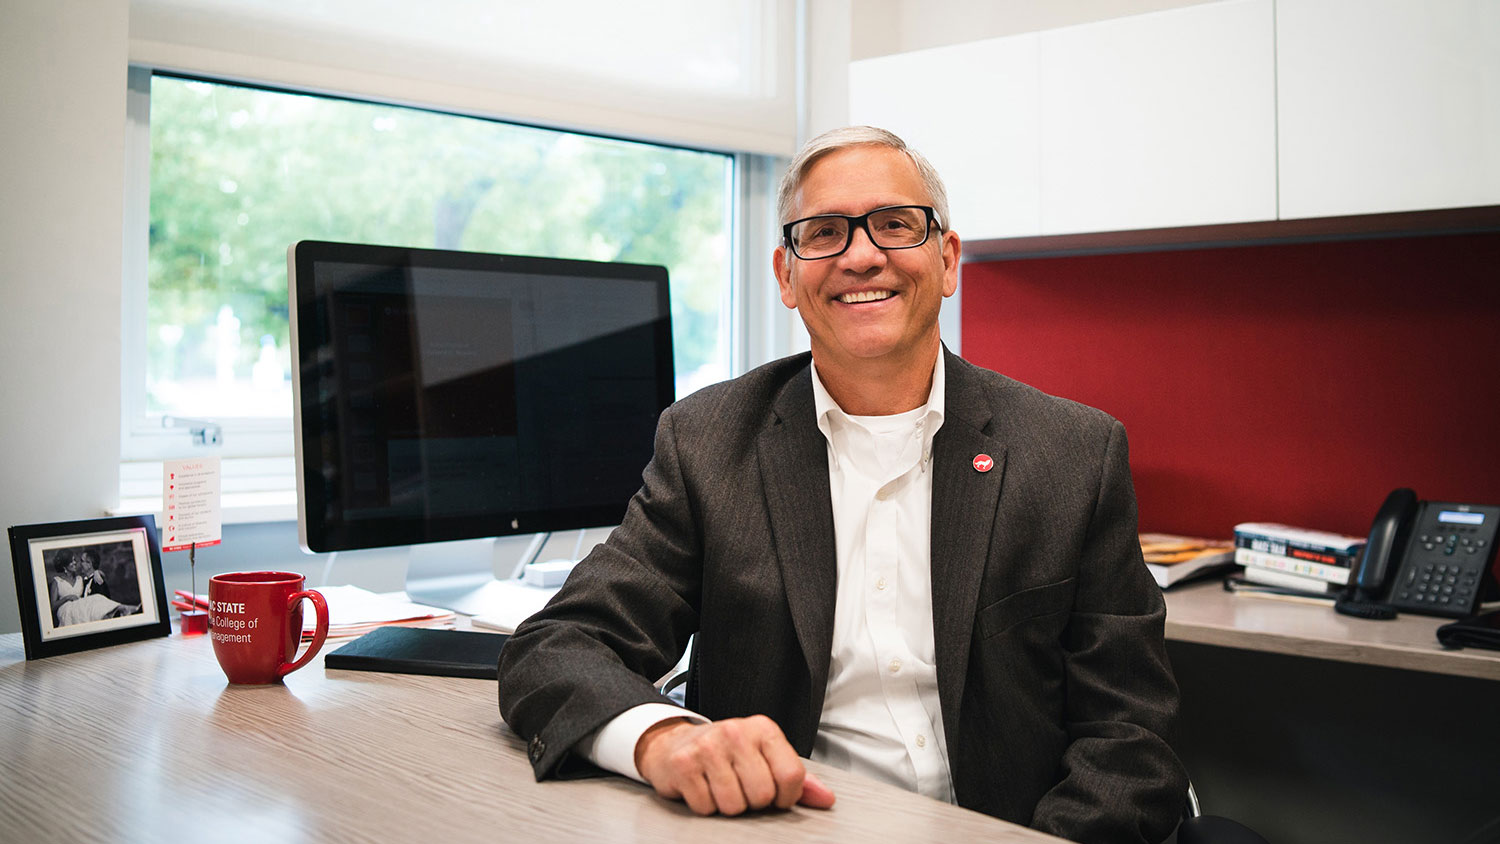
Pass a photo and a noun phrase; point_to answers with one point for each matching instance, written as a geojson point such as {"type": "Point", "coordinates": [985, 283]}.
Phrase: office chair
{"type": "Point", "coordinates": [1195, 828]}
{"type": "Point", "coordinates": [671, 685]}
{"type": "Point", "coordinates": [1198, 828]}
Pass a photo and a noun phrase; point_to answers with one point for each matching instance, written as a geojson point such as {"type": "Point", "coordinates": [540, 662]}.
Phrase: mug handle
{"type": "Point", "coordinates": [321, 633]}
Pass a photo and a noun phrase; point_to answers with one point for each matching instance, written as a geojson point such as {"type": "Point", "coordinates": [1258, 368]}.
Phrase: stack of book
{"type": "Point", "coordinates": [1312, 561]}
{"type": "Point", "coordinates": [1173, 559]}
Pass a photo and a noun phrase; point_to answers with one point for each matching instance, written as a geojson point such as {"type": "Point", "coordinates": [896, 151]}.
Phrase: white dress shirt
{"type": "Point", "coordinates": [881, 715]}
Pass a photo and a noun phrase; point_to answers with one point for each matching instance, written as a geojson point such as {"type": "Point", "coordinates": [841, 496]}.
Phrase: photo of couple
{"type": "Point", "coordinates": [92, 583]}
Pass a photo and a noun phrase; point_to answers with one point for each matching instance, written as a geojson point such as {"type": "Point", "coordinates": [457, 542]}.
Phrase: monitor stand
{"type": "Point", "coordinates": [491, 588]}
{"type": "Point", "coordinates": [476, 577]}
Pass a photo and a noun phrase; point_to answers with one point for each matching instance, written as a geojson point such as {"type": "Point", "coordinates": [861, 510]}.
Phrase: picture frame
{"type": "Point", "coordinates": [89, 584]}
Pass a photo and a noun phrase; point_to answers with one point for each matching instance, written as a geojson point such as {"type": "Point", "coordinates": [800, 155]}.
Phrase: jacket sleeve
{"type": "Point", "coordinates": [623, 619]}
{"type": "Point", "coordinates": [1120, 779]}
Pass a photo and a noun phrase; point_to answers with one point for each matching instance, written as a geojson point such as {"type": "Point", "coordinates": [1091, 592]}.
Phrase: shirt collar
{"type": "Point", "coordinates": [824, 405]}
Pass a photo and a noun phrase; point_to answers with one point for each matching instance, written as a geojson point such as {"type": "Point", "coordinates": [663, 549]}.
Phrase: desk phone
{"type": "Point", "coordinates": [1429, 557]}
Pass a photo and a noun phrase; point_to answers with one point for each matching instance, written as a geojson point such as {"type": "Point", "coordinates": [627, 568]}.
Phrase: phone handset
{"type": "Point", "coordinates": [1388, 535]}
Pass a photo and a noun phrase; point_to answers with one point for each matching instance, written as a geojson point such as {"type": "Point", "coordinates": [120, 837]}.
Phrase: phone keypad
{"type": "Point", "coordinates": [1440, 586]}
{"type": "Point", "coordinates": [1446, 564]}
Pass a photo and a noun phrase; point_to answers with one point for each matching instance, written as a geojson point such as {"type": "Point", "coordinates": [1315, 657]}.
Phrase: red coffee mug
{"type": "Point", "coordinates": [255, 622]}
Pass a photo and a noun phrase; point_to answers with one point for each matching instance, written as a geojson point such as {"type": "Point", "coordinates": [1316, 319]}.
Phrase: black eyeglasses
{"type": "Point", "coordinates": [892, 227]}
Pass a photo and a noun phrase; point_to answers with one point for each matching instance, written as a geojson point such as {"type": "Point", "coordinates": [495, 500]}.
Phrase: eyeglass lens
{"type": "Point", "coordinates": [901, 227]}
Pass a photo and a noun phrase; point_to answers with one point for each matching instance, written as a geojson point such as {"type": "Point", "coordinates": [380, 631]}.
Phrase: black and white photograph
{"type": "Point", "coordinates": [88, 584]}
{"type": "Point", "coordinates": [92, 583]}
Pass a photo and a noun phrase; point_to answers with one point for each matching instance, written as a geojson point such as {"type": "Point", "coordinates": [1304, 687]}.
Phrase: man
{"type": "Point", "coordinates": [894, 561]}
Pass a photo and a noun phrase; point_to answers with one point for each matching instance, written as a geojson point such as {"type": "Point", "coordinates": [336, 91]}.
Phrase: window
{"type": "Point", "coordinates": [239, 173]}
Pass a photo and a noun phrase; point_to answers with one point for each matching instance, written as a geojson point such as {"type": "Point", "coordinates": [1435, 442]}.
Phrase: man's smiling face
{"type": "Point", "coordinates": [868, 304]}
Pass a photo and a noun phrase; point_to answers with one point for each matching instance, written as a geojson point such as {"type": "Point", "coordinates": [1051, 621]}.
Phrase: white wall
{"type": "Point", "coordinates": [62, 154]}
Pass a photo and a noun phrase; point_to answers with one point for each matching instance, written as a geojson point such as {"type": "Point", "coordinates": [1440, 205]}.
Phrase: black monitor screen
{"type": "Point", "coordinates": [452, 395]}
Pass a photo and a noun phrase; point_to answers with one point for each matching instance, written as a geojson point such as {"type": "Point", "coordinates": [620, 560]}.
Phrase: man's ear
{"type": "Point", "coordinates": [784, 277]}
{"type": "Point", "coordinates": [953, 250]}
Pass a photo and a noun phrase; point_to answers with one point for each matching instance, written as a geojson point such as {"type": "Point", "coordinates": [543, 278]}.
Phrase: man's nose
{"type": "Point", "coordinates": [862, 249]}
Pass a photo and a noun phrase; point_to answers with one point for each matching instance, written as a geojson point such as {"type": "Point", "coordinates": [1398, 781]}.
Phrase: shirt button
{"type": "Point", "coordinates": [895, 666]}
{"type": "Point", "coordinates": [880, 584]}
{"type": "Point", "coordinates": [921, 741]}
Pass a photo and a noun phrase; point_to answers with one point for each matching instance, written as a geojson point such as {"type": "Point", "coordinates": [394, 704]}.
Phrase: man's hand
{"type": "Point", "coordinates": [727, 766]}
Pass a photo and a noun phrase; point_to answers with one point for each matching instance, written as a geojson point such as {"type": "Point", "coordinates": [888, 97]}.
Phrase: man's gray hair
{"type": "Point", "coordinates": [855, 136]}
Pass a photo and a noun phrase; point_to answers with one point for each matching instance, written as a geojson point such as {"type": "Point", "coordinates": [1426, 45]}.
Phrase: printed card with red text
{"type": "Point", "coordinates": [190, 504]}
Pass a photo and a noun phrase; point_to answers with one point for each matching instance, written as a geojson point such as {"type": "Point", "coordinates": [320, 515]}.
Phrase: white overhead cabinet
{"type": "Point", "coordinates": [1237, 111]}
{"type": "Point", "coordinates": [1160, 120]}
{"type": "Point", "coordinates": [972, 110]}
{"type": "Point", "coordinates": [1387, 105]}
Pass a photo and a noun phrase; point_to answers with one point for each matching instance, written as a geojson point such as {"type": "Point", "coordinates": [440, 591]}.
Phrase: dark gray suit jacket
{"type": "Point", "coordinates": [1057, 697]}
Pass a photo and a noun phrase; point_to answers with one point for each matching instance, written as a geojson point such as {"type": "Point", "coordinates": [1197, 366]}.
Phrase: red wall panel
{"type": "Point", "coordinates": [1288, 382]}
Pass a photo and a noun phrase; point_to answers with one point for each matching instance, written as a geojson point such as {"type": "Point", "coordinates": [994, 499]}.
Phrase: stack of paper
{"type": "Point", "coordinates": [353, 611]}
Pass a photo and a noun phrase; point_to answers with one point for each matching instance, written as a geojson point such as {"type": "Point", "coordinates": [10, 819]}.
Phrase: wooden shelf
{"type": "Point", "coordinates": [1206, 614]}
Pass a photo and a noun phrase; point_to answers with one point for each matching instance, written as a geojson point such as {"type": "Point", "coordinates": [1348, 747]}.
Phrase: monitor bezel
{"type": "Point", "coordinates": [303, 294]}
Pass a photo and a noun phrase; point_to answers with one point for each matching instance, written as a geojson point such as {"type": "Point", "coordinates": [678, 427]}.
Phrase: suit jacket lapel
{"type": "Point", "coordinates": [794, 469]}
{"type": "Point", "coordinates": [964, 502]}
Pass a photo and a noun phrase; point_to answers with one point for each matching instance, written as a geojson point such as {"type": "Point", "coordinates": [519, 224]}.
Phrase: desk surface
{"type": "Point", "coordinates": [147, 742]}
{"type": "Point", "coordinates": [1206, 614]}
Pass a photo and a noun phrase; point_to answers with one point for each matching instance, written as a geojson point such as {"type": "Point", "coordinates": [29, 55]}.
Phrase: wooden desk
{"type": "Point", "coordinates": [147, 742]}
{"type": "Point", "coordinates": [1206, 614]}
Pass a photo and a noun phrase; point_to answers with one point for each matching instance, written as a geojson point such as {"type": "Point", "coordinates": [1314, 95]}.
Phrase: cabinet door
{"type": "Point", "coordinates": [1160, 120]}
{"type": "Point", "coordinates": [1387, 105]}
{"type": "Point", "coordinates": [971, 109]}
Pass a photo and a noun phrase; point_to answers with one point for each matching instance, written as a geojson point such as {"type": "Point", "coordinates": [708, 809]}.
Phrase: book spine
{"type": "Point", "coordinates": [1287, 580]}
{"type": "Point", "coordinates": [1300, 549]}
{"type": "Point", "coordinates": [1302, 537]}
{"type": "Point", "coordinates": [1328, 573]}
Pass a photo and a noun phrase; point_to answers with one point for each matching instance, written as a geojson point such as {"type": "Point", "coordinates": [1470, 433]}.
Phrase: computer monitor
{"type": "Point", "coordinates": [445, 395]}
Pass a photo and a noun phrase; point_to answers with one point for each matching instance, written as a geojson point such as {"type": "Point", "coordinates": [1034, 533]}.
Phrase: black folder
{"type": "Point", "coordinates": [422, 650]}
{"type": "Point", "coordinates": [1478, 631]}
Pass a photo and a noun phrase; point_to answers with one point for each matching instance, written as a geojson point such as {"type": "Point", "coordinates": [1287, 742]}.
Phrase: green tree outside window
{"type": "Point", "coordinates": [238, 174]}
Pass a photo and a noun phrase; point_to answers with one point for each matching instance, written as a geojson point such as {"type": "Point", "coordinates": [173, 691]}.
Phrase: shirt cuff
{"type": "Point", "coordinates": [612, 746]}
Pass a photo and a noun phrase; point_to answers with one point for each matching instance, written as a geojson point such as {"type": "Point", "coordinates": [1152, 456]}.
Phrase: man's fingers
{"type": "Point", "coordinates": [724, 784]}
{"type": "Point", "coordinates": [786, 769]}
{"type": "Point", "coordinates": [816, 795]}
{"type": "Point", "coordinates": [697, 795]}
{"type": "Point", "coordinates": [756, 781]}
{"type": "Point", "coordinates": [737, 770]}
